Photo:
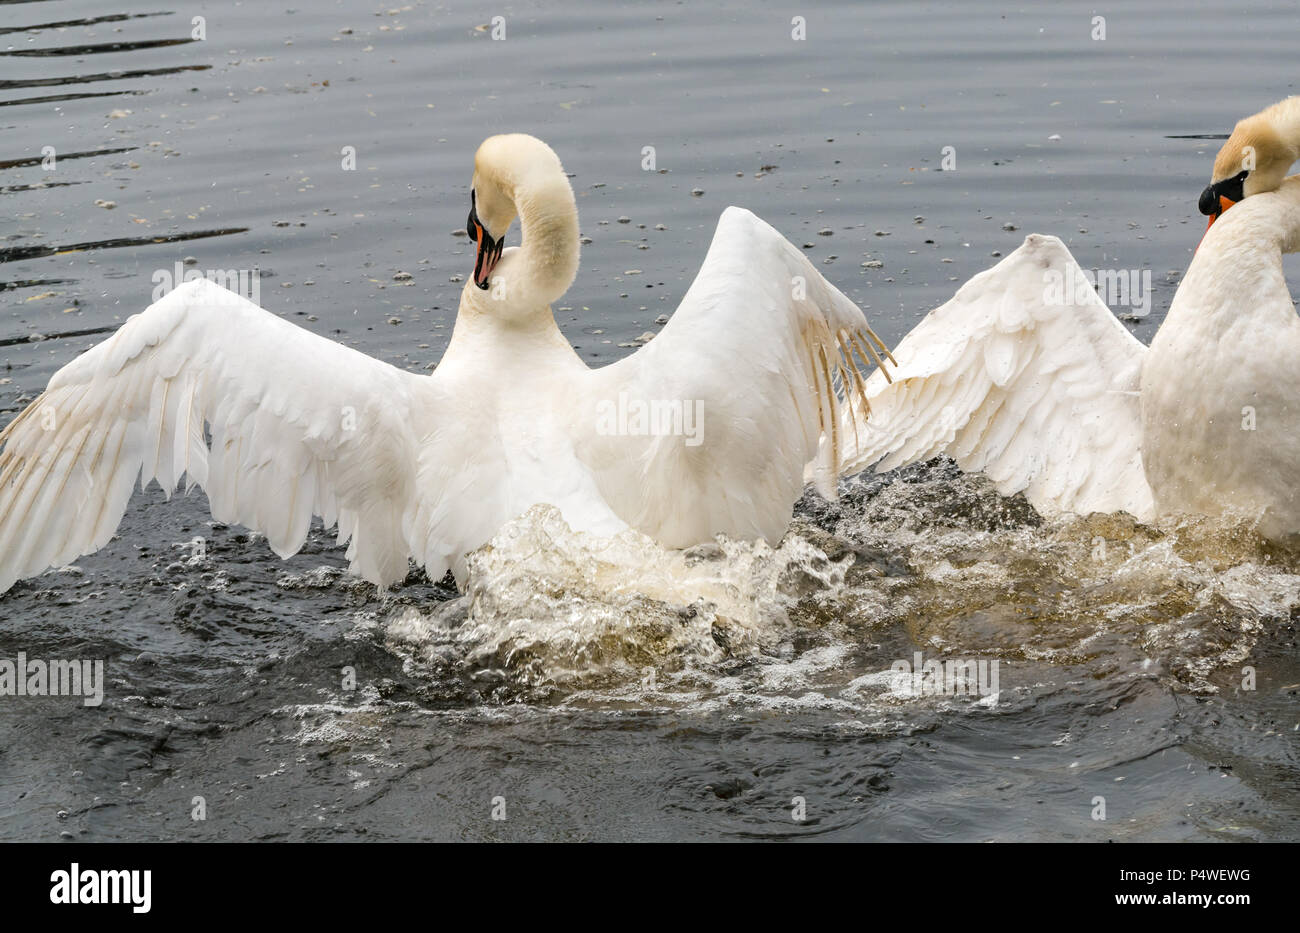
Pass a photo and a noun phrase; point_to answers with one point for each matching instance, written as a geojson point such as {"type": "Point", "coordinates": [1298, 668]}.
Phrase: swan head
{"type": "Point", "coordinates": [1255, 159]}
{"type": "Point", "coordinates": [517, 175]}
{"type": "Point", "coordinates": [491, 209]}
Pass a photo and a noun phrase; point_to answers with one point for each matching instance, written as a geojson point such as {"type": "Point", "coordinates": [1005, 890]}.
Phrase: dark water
{"type": "Point", "coordinates": [1121, 673]}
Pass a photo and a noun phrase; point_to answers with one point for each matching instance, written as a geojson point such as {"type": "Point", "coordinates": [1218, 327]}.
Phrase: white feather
{"type": "Point", "coordinates": [1040, 394]}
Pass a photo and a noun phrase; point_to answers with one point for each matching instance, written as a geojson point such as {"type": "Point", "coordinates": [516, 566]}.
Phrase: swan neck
{"type": "Point", "coordinates": [1286, 121]}
{"type": "Point", "coordinates": [548, 220]}
{"type": "Point", "coordinates": [1238, 268]}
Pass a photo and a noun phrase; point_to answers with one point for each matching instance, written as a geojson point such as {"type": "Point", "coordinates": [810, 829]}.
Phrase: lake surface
{"type": "Point", "coordinates": [629, 693]}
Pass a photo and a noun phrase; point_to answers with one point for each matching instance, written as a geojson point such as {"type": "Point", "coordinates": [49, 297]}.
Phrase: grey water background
{"type": "Point", "coordinates": [235, 143]}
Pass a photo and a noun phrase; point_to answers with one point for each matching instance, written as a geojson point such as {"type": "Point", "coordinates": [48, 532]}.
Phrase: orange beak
{"type": "Point", "coordinates": [488, 251]}
{"type": "Point", "coordinates": [1224, 204]}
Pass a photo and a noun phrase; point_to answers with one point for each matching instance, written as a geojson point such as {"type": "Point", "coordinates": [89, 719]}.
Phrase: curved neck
{"type": "Point", "coordinates": [1238, 267]}
{"type": "Point", "coordinates": [1267, 224]}
{"type": "Point", "coordinates": [548, 220]}
{"type": "Point", "coordinates": [1285, 117]}
{"type": "Point", "coordinates": [1277, 130]}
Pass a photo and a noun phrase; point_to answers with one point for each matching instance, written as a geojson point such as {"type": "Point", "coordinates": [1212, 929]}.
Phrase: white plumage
{"type": "Point", "coordinates": [1043, 390]}
{"type": "Point", "coordinates": [1221, 385]}
{"type": "Point", "coordinates": [1056, 399]}
{"type": "Point", "coordinates": [429, 467]}
{"type": "Point", "coordinates": [1011, 380]}
{"type": "Point", "coordinates": [300, 426]}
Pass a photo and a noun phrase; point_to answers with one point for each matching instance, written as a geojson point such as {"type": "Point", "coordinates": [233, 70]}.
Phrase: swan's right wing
{"type": "Point", "coordinates": [1024, 375]}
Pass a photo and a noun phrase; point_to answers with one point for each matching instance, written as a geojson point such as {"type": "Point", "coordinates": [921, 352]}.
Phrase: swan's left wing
{"type": "Point", "coordinates": [709, 427]}
{"type": "Point", "coordinates": [1024, 375]}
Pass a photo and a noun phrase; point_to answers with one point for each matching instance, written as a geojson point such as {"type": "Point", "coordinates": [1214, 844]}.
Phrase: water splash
{"type": "Point", "coordinates": [926, 558]}
{"type": "Point", "coordinates": [548, 610]}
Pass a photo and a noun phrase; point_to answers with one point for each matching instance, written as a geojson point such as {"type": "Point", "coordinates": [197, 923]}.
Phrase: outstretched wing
{"type": "Point", "coordinates": [1026, 376]}
{"type": "Point", "coordinates": [709, 427]}
{"type": "Point", "coordinates": [299, 426]}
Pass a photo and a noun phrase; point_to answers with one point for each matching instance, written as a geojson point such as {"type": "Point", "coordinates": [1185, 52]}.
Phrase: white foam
{"type": "Point", "coordinates": [556, 616]}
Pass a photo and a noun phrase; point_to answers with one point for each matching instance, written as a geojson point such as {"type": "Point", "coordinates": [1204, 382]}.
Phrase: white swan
{"type": "Point", "coordinates": [1037, 384]}
{"type": "Point", "coordinates": [745, 385]}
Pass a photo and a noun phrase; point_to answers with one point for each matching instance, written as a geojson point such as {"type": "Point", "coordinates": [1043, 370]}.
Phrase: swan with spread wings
{"type": "Point", "coordinates": [278, 424]}
{"type": "Point", "coordinates": [1040, 387]}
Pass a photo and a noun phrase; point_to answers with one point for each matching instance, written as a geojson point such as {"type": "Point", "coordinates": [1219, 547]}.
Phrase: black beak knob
{"type": "Point", "coordinates": [1209, 203]}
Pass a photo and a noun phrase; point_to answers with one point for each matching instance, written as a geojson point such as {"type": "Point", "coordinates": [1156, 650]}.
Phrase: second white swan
{"type": "Point", "coordinates": [1043, 389]}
